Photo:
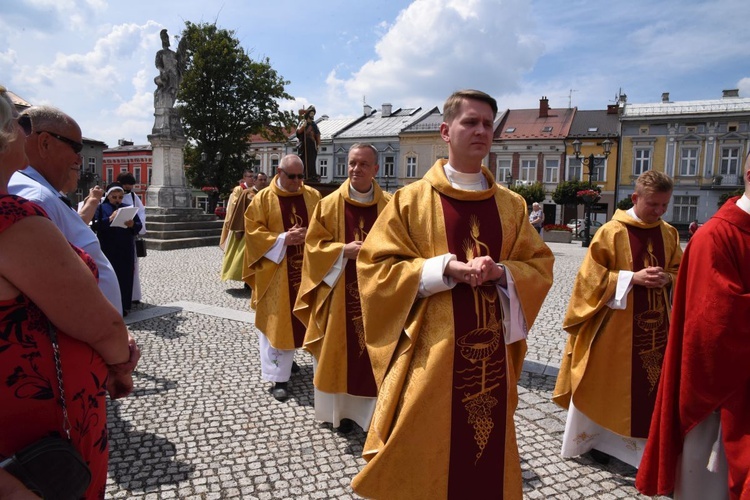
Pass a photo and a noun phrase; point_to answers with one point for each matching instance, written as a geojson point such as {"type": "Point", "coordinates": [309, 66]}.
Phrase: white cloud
{"type": "Point", "coordinates": [437, 46]}
{"type": "Point", "coordinates": [744, 86]}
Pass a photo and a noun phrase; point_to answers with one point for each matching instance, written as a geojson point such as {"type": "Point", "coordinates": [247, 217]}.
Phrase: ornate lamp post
{"type": "Point", "coordinates": [509, 178]}
{"type": "Point", "coordinates": [387, 180]}
{"type": "Point", "coordinates": [590, 163]}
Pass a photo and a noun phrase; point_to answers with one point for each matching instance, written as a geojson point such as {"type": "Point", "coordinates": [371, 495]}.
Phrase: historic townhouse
{"type": "Point", "coordinates": [701, 144]}
{"type": "Point", "coordinates": [381, 128]}
{"type": "Point", "coordinates": [591, 128]}
{"type": "Point", "coordinates": [421, 146]}
{"type": "Point", "coordinates": [127, 157]}
{"type": "Point", "coordinates": [529, 146]}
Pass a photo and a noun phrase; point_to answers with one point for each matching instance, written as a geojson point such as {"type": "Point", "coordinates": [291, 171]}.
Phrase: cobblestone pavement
{"type": "Point", "coordinates": [201, 423]}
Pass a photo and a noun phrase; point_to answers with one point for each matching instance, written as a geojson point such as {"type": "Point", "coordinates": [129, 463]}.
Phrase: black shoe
{"type": "Point", "coordinates": [295, 367]}
{"type": "Point", "coordinates": [279, 391]}
{"type": "Point", "coordinates": [345, 426]}
{"type": "Point", "coordinates": [599, 456]}
{"type": "Point", "coordinates": [136, 302]}
{"type": "Point", "coordinates": [246, 287]}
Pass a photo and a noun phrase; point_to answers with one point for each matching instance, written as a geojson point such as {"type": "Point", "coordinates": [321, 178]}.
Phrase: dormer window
{"type": "Point", "coordinates": [547, 129]}
{"type": "Point", "coordinates": [510, 130]}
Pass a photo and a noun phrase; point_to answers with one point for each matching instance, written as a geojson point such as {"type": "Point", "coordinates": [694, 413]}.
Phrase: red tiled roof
{"type": "Point", "coordinates": [528, 124]}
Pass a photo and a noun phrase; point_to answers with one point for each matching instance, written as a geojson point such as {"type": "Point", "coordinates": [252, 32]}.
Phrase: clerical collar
{"type": "Point", "coordinates": [462, 180]}
{"type": "Point", "coordinates": [744, 203]}
{"type": "Point", "coordinates": [631, 212]}
{"type": "Point", "coordinates": [362, 197]}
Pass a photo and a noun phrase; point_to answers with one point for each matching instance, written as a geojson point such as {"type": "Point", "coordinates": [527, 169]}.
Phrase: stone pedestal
{"type": "Point", "coordinates": [168, 186]}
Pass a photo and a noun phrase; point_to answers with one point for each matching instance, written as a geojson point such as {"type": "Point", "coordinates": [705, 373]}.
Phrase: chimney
{"type": "Point", "coordinates": [730, 93]}
{"type": "Point", "coordinates": [665, 97]}
{"type": "Point", "coordinates": [612, 109]}
{"type": "Point", "coordinates": [543, 107]}
{"type": "Point", "coordinates": [367, 110]}
{"type": "Point", "coordinates": [123, 142]}
{"type": "Point", "coordinates": [387, 108]}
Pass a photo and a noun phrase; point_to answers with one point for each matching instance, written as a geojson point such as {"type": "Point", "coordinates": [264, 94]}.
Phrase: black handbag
{"type": "Point", "coordinates": [51, 467]}
{"type": "Point", "coordinates": [140, 247]}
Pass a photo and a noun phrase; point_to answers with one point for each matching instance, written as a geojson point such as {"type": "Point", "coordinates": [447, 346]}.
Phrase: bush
{"type": "Point", "coordinates": [625, 203]}
{"type": "Point", "coordinates": [557, 227]}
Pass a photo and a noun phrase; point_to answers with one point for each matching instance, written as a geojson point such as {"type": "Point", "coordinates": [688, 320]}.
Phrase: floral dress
{"type": "Point", "coordinates": [29, 390]}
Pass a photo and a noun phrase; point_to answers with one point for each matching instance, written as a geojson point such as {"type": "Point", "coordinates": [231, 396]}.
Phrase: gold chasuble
{"type": "Point", "coordinates": [335, 332]}
{"type": "Point", "coordinates": [234, 248]}
{"type": "Point", "coordinates": [272, 212]}
{"type": "Point", "coordinates": [612, 359]}
{"type": "Point", "coordinates": [443, 425]}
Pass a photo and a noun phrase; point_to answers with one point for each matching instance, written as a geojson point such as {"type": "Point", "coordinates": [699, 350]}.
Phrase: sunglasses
{"type": "Point", "coordinates": [293, 176]}
{"type": "Point", "coordinates": [77, 147]}
{"type": "Point", "coordinates": [25, 122]}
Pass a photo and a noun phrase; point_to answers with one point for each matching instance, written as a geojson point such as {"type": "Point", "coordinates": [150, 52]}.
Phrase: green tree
{"type": "Point", "coordinates": [724, 197]}
{"type": "Point", "coordinates": [566, 192]}
{"type": "Point", "coordinates": [533, 193]}
{"type": "Point", "coordinates": [224, 98]}
{"type": "Point", "coordinates": [625, 203]}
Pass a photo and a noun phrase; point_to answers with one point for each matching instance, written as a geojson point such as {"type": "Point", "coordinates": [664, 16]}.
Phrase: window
{"type": "Point", "coordinates": [528, 170]}
{"type": "Point", "coordinates": [110, 174]}
{"type": "Point", "coordinates": [575, 171]}
{"type": "Point", "coordinates": [730, 161]}
{"type": "Point", "coordinates": [551, 170]}
{"type": "Point", "coordinates": [275, 163]}
{"type": "Point", "coordinates": [137, 174]}
{"type": "Point", "coordinates": [411, 166]}
{"type": "Point", "coordinates": [503, 170]}
{"type": "Point", "coordinates": [322, 167]}
{"type": "Point", "coordinates": [92, 165]}
{"type": "Point", "coordinates": [510, 130]}
{"type": "Point", "coordinates": [123, 169]}
{"type": "Point", "coordinates": [150, 172]}
{"type": "Point", "coordinates": [641, 161]}
{"type": "Point", "coordinates": [546, 129]}
{"type": "Point", "coordinates": [599, 172]}
{"type": "Point", "coordinates": [388, 166]}
{"type": "Point", "coordinates": [689, 161]}
{"type": "Point", "coordinates": [341, 166]}
{"type": "Point", "coordinates": [685, 208]}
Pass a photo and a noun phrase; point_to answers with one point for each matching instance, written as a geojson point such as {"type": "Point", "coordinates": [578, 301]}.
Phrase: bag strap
{"type": "Point", "coordinates": [58, 371]}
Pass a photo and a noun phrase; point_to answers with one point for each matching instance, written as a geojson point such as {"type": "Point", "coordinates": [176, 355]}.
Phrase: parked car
{"type": "Point", "coordinates": [578, 226]}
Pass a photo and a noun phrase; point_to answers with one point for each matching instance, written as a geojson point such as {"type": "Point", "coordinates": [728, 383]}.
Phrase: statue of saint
{"type": "Point", "coordinates": [308, 136]}
{"type": "Point", "coordinates": [170, 65]}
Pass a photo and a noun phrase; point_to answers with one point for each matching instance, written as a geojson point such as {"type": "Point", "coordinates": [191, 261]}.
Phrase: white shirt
{"type": "Point", "coordinates": [29, 184]}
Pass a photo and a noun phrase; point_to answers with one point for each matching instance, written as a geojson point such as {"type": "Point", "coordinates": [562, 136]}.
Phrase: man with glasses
{"type": "Point", "coordinates": [53, 146]}
{"type": "Point", "coordinates": [275, 227]}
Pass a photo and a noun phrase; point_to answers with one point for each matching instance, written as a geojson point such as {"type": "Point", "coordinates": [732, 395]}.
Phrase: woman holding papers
{"type": "Point", "coordinates": [116, 226]}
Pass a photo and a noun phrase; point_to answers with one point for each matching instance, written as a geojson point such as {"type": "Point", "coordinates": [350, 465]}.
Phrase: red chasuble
{"type": "Point", "coordinates": [479, 400]}
{"type": "Point", "coordinates": [650, 327]}
{"type": "Point", "coordinates": [360, 379]}
{"type": "Point", "coordinates": [293, 211]}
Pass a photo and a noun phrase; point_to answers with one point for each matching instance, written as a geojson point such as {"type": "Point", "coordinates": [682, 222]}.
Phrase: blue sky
{"type": "Point", "coordinates": [95, 58]}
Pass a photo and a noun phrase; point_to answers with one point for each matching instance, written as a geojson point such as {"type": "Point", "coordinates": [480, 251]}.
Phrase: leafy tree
{"type": "Point", "coordinates": [566, 192]}
{"type": "Point", "coordinates": [224, 98]}
{"type": "Point", "coordinates": [533, 193]}
{"type": "Point", "coordinates": [724, 197]}
{"type": "Point", "coordinates": [625, 203]}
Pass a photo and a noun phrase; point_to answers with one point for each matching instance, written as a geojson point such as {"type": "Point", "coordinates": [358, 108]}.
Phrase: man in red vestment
{"type": "Point", "coordinates": [699, 442]}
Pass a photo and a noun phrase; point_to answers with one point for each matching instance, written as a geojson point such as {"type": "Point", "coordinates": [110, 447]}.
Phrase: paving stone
{"type": "Point", "coordinates": [201, 423]}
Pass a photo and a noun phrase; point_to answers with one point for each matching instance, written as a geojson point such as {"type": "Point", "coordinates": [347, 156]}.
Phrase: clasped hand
{"type": "Point", "coordinates": [477, 271]}
{"type": "Point", "coordinates": [651, 277]}
{"type": "Point", "coordinates": [295, 235]}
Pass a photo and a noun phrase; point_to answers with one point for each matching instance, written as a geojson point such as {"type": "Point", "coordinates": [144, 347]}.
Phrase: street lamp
{"type": "Point", "coordinates": [590, 163]}
{"type": "Point", "coordinates": [509, 178]}
{"type": "Point", "coordinates": [387, 180]}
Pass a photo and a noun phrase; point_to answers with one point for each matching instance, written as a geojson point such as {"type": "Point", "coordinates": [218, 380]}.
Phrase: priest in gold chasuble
{"type": "Point", "coordinates": [618, 320]}
{"type": "Point", "coordinates": [233, 233]}
{"type": "Point", "coordinates": [328, 301]}
{"type": "Point", "coordinates": [276, 223]}
{"type": "Point", "coordinates": [451, 277]}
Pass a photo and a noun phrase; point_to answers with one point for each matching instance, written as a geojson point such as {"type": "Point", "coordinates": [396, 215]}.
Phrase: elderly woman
{"type": "Point", "coordinates": [48, 286]}
{"type": "Point", "coordinates": [118, 243]}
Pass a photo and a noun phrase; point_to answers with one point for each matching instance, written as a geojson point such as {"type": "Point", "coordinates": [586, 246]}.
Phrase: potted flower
{"type": "Point", "coordinates": [557, 233]}
{"type": "Point", "coordinates": [588, 196]}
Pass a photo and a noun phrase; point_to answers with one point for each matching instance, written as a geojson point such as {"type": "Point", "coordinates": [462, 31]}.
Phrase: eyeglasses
{"type": "Point", "coordinates": [293, 176]}
{"type": "Point", "coordinates": [25, 122]}
{"type": "Point", "coordinates": [77, 147]}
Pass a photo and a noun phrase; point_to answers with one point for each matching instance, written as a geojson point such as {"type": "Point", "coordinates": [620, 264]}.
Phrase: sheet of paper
{"type": "Point", "coordinates": [124, 214]}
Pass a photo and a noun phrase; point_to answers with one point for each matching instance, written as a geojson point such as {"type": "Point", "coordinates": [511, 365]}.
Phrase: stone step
{"type": "Point", "coordinates": [174, 244]}
{"type": "Point", "coordinates": [187, 233]}
{"type": "Point", "coordinates": [180, 226]}
{"type": "Point", "coordinates": [200, 217]}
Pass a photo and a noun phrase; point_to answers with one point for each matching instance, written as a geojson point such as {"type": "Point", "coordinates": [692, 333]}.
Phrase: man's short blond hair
{"type": "Point", "coordinates": [655, 182]}
{"type": "Point", "coordinates": [453, 103]}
